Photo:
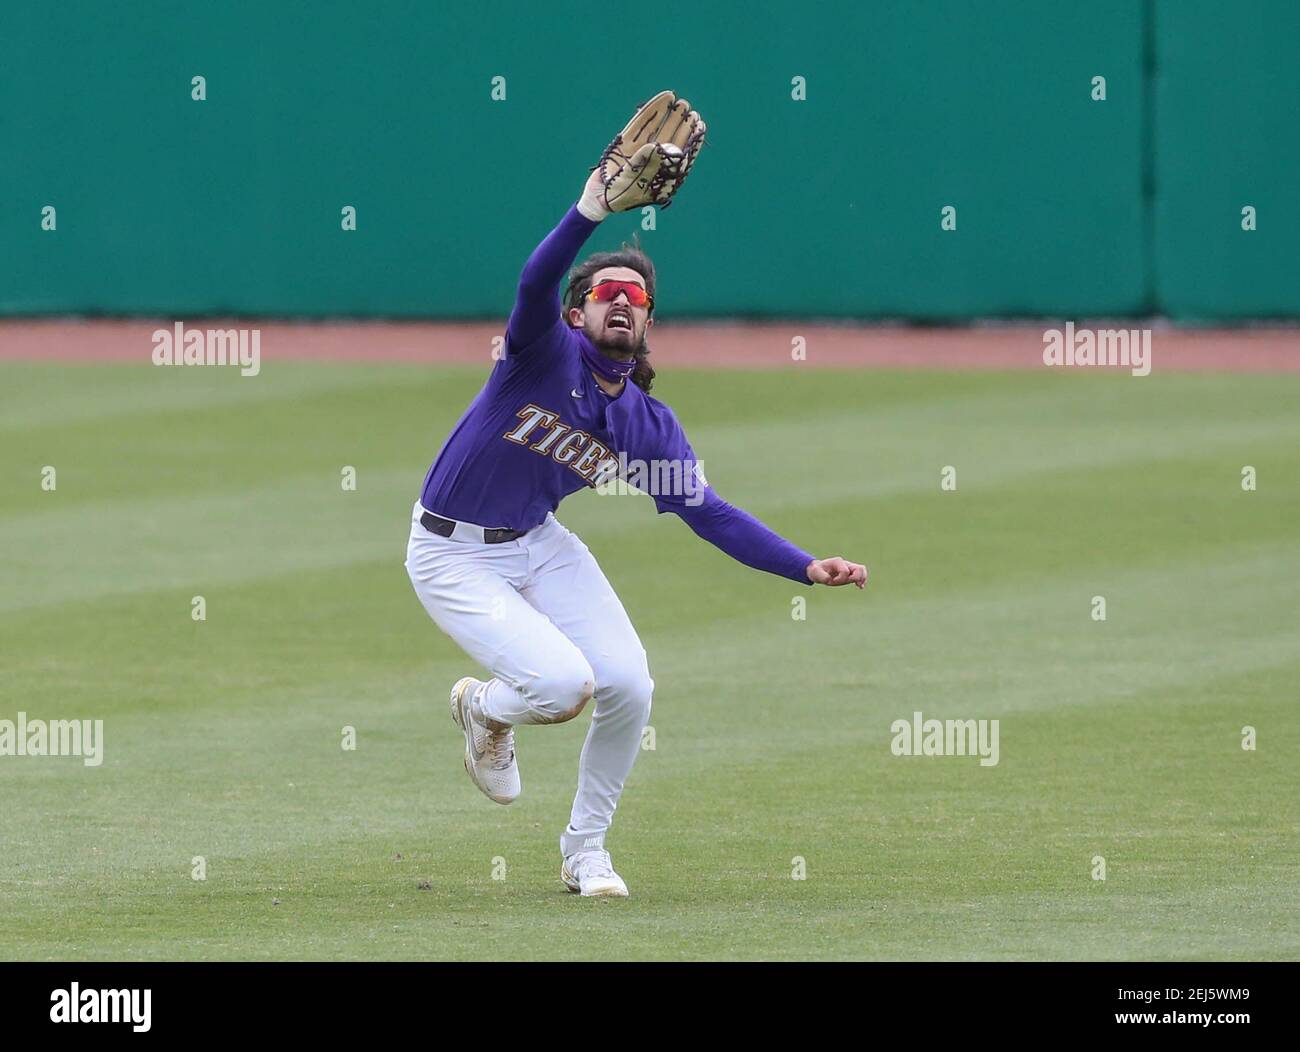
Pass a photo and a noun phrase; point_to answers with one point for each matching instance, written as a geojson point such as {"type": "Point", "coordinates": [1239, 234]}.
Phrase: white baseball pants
{"type": "Point", "coordinates": [538, 613]}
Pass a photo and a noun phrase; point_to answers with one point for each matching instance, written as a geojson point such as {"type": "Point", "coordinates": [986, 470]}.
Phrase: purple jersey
{"type": "Point", "coordinates": [542, 428]}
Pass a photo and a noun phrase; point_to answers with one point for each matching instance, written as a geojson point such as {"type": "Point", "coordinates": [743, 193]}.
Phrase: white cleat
{"type": "Point", "coordinates": [489, 755]}
{"type": "Point", "coordinates": [591, 873]}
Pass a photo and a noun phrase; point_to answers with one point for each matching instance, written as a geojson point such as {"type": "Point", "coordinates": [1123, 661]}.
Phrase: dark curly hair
{"type": "Point", "coordinates": [633, 258]}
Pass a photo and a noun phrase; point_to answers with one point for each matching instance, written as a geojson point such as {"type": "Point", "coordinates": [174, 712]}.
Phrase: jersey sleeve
{"type": "Point", "coordinates": [675, 479]}
{"type": "Point", "coordinates": [744, 538]}
{"type": "Point", "coordinates": [537, 302]}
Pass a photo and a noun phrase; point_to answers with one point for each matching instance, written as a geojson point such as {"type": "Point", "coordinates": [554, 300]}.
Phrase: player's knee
{"type": "Point", "coordinates": [630, 688]}
{"type": "Point", "coordinates": [563, 693]}
{"type": "Point", "coordinates": [569, 702]}
{"type": "Point", "coordinates": [582, 696]}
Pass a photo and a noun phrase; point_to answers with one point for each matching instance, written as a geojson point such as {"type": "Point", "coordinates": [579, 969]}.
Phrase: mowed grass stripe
{"type": "Point", "coordinates": [73, 400]}
{"type": "Point", "coordinates": [224, 446]}
{"type": "Point", "coordinates": [290, 524]}
{"type": "Point", "coordinates": [270, 623]}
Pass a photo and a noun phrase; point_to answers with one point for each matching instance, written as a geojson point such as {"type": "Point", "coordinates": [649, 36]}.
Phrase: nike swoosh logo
{"type": "Point", "coordinates": [576, 393]}
{"type": "Point", "coordinates": [468, 721]}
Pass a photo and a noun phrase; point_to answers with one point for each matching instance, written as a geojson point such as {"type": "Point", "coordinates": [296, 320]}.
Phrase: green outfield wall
{"type": "Point", "coordinates": [927, 160]}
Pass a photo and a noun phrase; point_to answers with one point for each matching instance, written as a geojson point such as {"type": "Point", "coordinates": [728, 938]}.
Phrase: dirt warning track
{"type": "Point", "coordinates": [766, 345]}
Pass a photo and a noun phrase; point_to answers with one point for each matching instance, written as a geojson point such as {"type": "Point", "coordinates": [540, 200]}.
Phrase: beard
{"type": "Point", "coordinates": [620, 346]}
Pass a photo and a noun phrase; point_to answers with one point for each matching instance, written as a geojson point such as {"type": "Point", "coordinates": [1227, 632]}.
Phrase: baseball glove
{"type": "Point", "coordinates": [651, 157]}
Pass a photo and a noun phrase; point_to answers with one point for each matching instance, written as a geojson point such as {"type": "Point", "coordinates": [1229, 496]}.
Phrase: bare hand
{"type": "Point", "coordinates": [837, 571]}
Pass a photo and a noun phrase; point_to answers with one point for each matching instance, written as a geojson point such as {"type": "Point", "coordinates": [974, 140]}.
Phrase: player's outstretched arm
{"type": "Point", "coordinates": [688, 495]}
{"type": "Point", "coordinates": [646, 163]}
{"type": "Point", "coordinates": [747, 540]}
{"type": "Point", "coordinates": [537, 301]}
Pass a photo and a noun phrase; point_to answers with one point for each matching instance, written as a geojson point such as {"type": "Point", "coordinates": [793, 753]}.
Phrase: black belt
{"type": "Point", "coordinates": [444, 528]}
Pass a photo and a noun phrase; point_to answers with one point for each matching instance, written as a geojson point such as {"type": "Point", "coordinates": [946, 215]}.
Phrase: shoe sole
{"type": "Point", "coordinates": [458, 718]}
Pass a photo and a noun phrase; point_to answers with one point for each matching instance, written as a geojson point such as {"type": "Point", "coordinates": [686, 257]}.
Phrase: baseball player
{"type": "Point", "coordinates": [496, 570]}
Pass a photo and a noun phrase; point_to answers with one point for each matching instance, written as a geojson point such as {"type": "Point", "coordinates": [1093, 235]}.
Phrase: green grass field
{"type": "Point", "coordinates": [223, 738]}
